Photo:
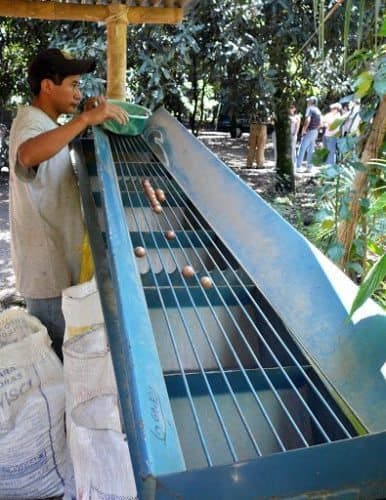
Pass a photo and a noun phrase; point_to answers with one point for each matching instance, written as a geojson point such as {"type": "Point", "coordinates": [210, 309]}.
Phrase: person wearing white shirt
{"type": "Point", "coordinates": [332, 130]}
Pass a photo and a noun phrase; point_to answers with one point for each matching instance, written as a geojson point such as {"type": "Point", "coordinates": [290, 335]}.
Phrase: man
{"type": "Point", "coordinates": [309, 134]}
{"type": "Point", "coordinates": [45, 214]}
{"type": "Point", "coordinates": [332, 131]}
{"type": "Point", "coordinates": [294, 130]}
{"type": "Point", "coordinates": [352, 119]}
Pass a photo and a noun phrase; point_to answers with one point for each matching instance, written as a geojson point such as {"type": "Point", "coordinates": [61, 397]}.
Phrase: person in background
{"type": "Point", "coordinates": [332, 131]}
{"type": "Point", "coordinates": [45, 214]}
{"type": "Point", "coordinates": [310, 130]}
{"type": "Point", "coordinates": [294, 131]}
{"type": "Point", "coordinates": [352, 119]}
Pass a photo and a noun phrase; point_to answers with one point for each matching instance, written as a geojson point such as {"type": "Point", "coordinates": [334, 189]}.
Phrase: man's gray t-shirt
{"type": "Point", "coordinates": [45, 214]}
{"type": "Point", "coordinates": [313, 112]}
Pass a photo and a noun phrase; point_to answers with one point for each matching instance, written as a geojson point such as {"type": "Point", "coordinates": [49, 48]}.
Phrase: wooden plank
{"type": "Point", "coordinates": [36, 9]}
{"type": "Point", "coordinates": [154, 15]}
{"type": "Point", "coordinates": [54, 11]}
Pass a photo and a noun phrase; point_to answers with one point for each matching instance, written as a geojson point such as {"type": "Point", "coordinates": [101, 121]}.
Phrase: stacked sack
{"type": "Point", "coordinates": [98, 448]}
{"type": "Point", "coordinates": [32, 438]}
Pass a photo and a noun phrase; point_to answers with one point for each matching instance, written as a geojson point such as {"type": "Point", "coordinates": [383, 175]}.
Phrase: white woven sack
{"type": "Point", "coordinates": [88, 372]}
{"type": "Point", "coordinates": [81, 308]}
{"type": "Point", "coordinates": [100, 454]}
{"type": "Point", "coordinates": [32, 440]}
{"type": "Point", "coordinates": [88, 368]}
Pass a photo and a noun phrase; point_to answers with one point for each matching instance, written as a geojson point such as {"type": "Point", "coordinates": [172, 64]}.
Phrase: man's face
{"type": "Point", "coordinates": [67, 95]}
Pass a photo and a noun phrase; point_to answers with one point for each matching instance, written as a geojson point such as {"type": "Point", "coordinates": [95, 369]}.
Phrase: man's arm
{"type": "Point", "coordinates": [297, 125]}
{"type": "Point", "coordinates": [42, 147]}
{"type": "Point", "coordinates": [306, 124]}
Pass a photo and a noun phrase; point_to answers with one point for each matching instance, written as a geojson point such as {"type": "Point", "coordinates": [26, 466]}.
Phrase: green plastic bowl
{"type": "Point", "coordinates": [138, 117]}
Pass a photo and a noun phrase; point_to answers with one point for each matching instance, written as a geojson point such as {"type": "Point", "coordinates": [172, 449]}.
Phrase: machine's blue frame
{"type": "Point", "coordinates": [314, 296]}
{"type": "Point", "coordinates": [348, 470]}
{"type": "Point", "coordinates": [314, 305]}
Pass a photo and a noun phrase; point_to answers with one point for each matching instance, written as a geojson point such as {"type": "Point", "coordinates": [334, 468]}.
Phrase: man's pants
{"type": "Point", "coordinates": [49, 311]}
{"type": "Point", "coordinates": [294, 140]}
{"type": "Point", "coordinates": [307, 145]}
{"type": "Point", "coordinates": [330, 143]}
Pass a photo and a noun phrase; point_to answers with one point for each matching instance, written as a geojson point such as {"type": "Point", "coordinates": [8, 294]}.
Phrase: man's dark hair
{"type": "Point", "coordinates": [56, 65]}
{"type": "Point", "coordinates": [35, 83]}
{"type": "Point", "coordinates": [312, 100]}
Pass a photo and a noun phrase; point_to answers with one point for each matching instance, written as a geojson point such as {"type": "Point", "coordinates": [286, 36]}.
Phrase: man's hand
{"type": "Point", "coordinates": [98, 110]}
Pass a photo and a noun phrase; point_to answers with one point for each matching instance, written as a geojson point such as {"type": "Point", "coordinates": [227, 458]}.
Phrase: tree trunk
{"type": "Point", "coordinates": [202, 107]}
{"type": "Point", "coordinates": [284, 165]}
{"type": "Point", "coordinates": [346, 229]}
{"type": "Point", "coordinates": [276, 14]}
{"type": "Point", "coordinates": [193, 116]}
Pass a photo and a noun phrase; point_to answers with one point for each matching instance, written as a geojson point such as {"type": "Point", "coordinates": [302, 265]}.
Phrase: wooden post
{"type": "Point", "coordinates": [116, 52]}
{"type": "Point", "coordinates": [256, 144]}
{"type": "Point", "coordinates": [261, 142]}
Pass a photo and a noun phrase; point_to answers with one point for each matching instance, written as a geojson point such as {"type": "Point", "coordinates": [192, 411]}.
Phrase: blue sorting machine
{"type": "Point", "coordinates": [243, 379]}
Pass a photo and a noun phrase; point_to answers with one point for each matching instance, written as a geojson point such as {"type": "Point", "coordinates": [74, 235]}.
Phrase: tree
{"type": "Point", "coordinates": [20, 39]}
{"type": "Point", "coordinates": [281, 31]}
{"type": "Point", "coordinates": [371, 83]}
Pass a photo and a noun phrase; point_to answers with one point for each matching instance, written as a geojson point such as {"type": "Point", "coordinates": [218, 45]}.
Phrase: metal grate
{"type": "Point", "coordinates": [238, 384]}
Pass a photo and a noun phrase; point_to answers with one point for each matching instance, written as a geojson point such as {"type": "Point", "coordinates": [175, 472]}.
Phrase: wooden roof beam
{"type": "Point", "coordinates": [53, 11]}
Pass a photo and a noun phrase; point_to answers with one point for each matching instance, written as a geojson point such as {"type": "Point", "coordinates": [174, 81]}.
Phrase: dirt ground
{"type": "Point", "coordinates": [8, 294]}
{"type": "Point", "coordinates": [297, 208]}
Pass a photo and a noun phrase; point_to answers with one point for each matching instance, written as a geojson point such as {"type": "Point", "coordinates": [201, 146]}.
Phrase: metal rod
{"type": "Point", "coordinates": [247, 378]}
{"type": "Point", "coordinates": [154, 168]}
{"type": "Point", "coordinates": [262, 408]}
{"type": "Point", "coordinates": [268, 322]}
{"type": "Point", "coordinates": [226, 434]}
{"type": "Point", "coordinates": [279, 399]}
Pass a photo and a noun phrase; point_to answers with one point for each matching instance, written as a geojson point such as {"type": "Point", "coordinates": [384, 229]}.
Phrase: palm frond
{"type": "Point", "coordinates": [371, 283]}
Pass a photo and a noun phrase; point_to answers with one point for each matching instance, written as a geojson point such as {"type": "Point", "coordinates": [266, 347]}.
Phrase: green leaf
{"type": "Point", "coordinates": [363, 84]}
{"type": "Point", "coordinates": [364, 204]}
{"type": "Point", "coordinates": [336, 123]}
{"type": "Point", "coordinates": [335, 252]}
{"type": "Point", "coordinates": [359, 247]}
{"type": "Point", "coordinates": [356, 267]}
{"type": "Point", "coordinates": [331, 172]}
{"type": "Point", "coordinates": [166, 73]}
{"type": "Point", "coordinates": [382, 31]}
{"type": "Point", "coordinates": [320, 156]}
{"type": "Point", "coordinates": [328, 224]}
{"type": "Point", "coordinates": [380, 86]}
{"type": "Point", "coordinates": [370, 284]}
{"type": "Point", "coordinates": [323, 214]}
{"type": "Point", "coordinates": [374, 248]}
{"type": "Point", "coordinates": [346, 144]}
{"type": "Point", "coordinates": [379, 205]}
{"type": "Point", "coordinates": [344, 212]}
